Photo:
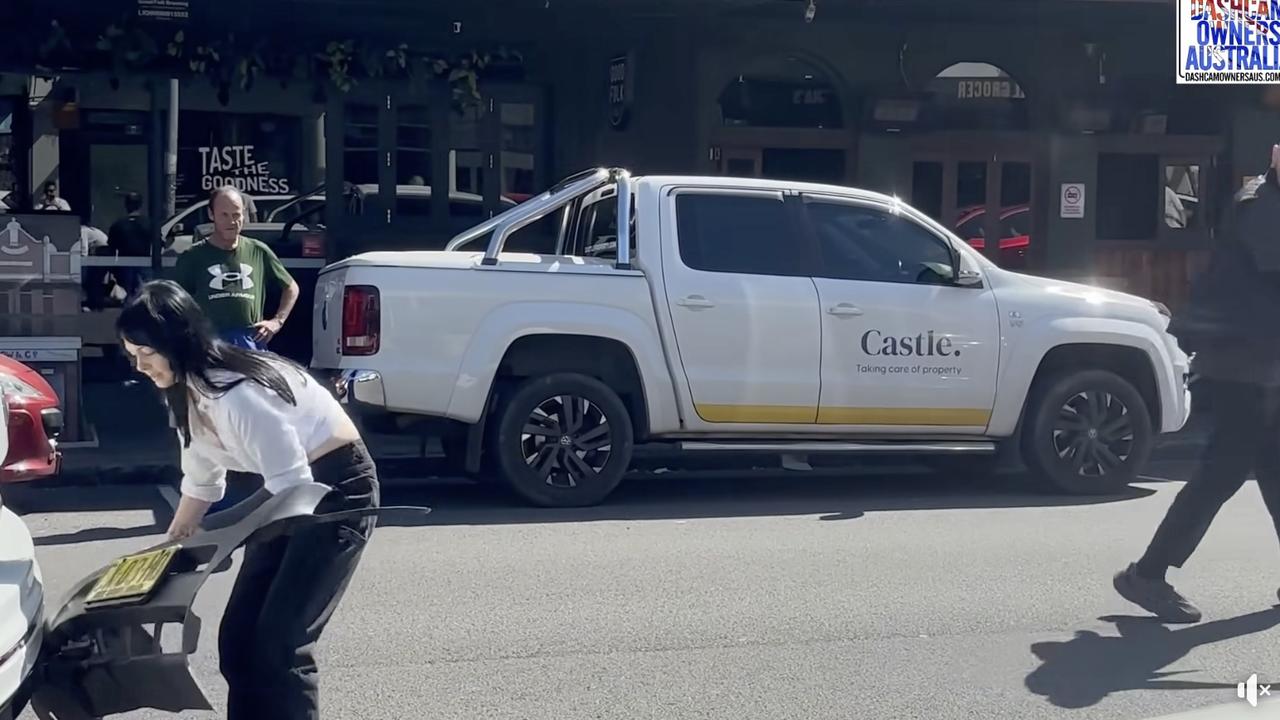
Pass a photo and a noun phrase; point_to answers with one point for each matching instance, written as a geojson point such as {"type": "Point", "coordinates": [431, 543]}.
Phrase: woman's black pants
{"type": "Point", "coordinates": [286, 592]}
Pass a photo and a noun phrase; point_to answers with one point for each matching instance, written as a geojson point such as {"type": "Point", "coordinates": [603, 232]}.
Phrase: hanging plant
{"type": "Point", "coordinates": [463, 76]}
{"type": "Point", "coordinates": [336, 60]}
{"type": "Point", "coordinates": [128, 47]}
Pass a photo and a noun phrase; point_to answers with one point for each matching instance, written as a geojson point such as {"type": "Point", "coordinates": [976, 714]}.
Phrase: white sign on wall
{"type": "Point", "coordinates": [1072, 200]}
{"type": "Point", "coordinates": [234, 165]}
{"type": "Point", "coordinates": [40, 355]}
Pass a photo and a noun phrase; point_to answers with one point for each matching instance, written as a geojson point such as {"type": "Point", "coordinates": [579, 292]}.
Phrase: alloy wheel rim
{"type": "Point", "coordinates": [566, 441]}
{"type": "Point", "coordinates": [1093, 433]}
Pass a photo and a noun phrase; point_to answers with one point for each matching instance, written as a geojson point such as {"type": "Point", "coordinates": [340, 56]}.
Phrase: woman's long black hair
{"type": "Point", "coordinates": [164, 317]}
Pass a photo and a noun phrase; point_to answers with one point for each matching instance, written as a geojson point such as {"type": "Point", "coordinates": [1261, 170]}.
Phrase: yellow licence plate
{"type": "Point", "coordinates": [132, 576]}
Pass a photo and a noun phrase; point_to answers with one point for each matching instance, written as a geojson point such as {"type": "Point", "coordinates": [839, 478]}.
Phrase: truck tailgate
{"type": "Point", "coordinates": [326, 319]}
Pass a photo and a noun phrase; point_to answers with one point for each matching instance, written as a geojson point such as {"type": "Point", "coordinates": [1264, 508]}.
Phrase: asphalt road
{"type": "Point", "coordinates": [888, 595]}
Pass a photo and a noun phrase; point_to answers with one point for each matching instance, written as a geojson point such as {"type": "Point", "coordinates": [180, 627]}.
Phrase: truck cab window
{"type": "Point", "coordinates": [541, 237]}
{"type": "Point", "coordinates": [744, 234]}
{"type": "Point", "coordinates": [596, 233]}
{"type": "Point", "coordinates": [862, 243]}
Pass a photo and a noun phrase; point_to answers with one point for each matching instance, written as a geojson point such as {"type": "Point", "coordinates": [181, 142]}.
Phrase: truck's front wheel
{"type": "Point", "coordinates": [563, 440]}
{"type": "Point", "coordinates": [1089, 432]}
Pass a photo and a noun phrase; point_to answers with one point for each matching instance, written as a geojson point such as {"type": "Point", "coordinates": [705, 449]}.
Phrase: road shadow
{"type": "Point", "coordinates": [100, 534]}
{"type": "Point", "coordinates": [1083, 671]}
{"type": "Point", "coordinates": [31, 499]}
{"type": "Point", "coordinates": [830, 494]}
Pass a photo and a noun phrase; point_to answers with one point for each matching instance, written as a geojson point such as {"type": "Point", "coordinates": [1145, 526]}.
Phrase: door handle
{"type": "Point", "coordinates": [695, 301]}
{"type": "Point", "coordinates": [844, 310]}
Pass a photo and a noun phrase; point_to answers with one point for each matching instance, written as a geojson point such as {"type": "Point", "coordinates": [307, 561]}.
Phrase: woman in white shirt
{"type": "Point", "coordinates": [249, 411]}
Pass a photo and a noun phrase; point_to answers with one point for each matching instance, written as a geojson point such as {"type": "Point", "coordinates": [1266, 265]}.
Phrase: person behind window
{"type": "Point", "coordinates": [51, 201]}
{"type": "Point", "coordinates": [254, 411]}
{"type": "Point", "coordinates": [130, 237]}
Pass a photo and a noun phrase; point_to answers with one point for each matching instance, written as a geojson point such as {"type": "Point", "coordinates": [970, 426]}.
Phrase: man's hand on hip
{"type": "Point", "coordinates": [266, 330]}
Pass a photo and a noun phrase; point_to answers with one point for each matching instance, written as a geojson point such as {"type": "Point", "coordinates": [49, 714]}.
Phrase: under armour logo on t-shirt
{"type": "Point", "coordinates": [221, 277]}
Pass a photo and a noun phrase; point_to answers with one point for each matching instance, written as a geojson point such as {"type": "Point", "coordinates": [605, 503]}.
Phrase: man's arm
{"type": "Point", "coordinates": [289, 293]}
{"type": "Point", "coordinates": [288, 298]}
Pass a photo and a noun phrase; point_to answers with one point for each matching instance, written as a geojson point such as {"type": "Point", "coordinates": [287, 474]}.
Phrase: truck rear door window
{"type": "Point", "coordinates": [744, 234]}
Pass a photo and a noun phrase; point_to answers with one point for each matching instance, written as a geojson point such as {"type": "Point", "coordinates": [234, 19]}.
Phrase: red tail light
{"type": "Point", "coordinates": [361, 320]}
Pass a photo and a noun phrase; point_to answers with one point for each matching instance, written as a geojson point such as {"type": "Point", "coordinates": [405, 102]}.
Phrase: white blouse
{"type": "Point", "coordinates": [254, 430]}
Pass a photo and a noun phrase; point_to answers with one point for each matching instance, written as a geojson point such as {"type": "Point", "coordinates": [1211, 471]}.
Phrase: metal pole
{"type": "Point", "coordinates": [155, 174]}
{"type": "Point", "coordinates": [171, 154]}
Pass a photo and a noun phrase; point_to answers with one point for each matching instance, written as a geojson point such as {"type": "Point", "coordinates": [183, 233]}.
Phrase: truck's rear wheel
{"type": "Point", "coordinates": [563, 440]}
{"type": "Point", "coordinates": [1089, 432]}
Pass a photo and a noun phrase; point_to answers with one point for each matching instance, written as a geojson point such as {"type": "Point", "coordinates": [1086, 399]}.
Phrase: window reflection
{"type": "Point", "coordinates": [519, 147]}
{"type": "Point", "coordinates": [781, 92]}
{"type": "Point", "coordinates": [1182, 196]}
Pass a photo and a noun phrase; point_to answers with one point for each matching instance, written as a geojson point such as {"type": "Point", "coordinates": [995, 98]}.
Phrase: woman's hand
{"type": "Point", "coordinates": [179, 530]}
{"type": "Point", "coordinates": [187, 517]}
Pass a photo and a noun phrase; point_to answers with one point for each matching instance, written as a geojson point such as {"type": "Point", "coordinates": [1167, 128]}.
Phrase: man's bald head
{"type": "Point", "coordinates": [226, 207]}
{"type": "Point", "coordinates": [229, 192]}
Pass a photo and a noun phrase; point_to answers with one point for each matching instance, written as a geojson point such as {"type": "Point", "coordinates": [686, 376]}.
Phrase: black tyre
{"type": "Point", "coordinates": [563, 440]}
{"type": "Point", "coordinates": [1088, 432]}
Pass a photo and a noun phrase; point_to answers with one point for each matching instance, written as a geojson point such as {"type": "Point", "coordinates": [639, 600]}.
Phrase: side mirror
{"type": "Point", "coordinates": [968, 278]}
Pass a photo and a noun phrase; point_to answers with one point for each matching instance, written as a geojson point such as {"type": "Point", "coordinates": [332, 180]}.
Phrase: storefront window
{"type": "Point", "coordinates": [783, 92]}
{"type": "Point", "coordinates": [975, 96]}
{"type": "Point", "coordinates": [257, 154]}
{"type": "Point", "coordinates": [1129, 196]}
{"type": "Point", "coordinates": [519, 147]}
{"type": "Point", "coordinates": [465, 156]}
{"type": "Point", "coordinates": [8, 172]}
{"type": "Point", "coordinates": [360, 144]}
{"type": "Point", "coordinates": [413, 145]}
{"type": "Point", "coordinates": [104, 193]}
{"type": "Point", "coordinates": [1182, 196]}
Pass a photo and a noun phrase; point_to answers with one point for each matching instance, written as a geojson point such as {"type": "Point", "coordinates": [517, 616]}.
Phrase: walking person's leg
{"type": "Point", "coordinates": [1267, 467]}
{"type": "Point", "coordinates": [1239, 420]}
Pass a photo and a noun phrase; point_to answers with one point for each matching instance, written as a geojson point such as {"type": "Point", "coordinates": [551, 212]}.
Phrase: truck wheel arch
{"type": "Point", "coordinates": [1129, 362]}
{"type": "Point", "coordinates": [1129, 349]}
{"type": "Point", "coordinates": [489, 348]}
{"type": "Point", "coordinates": [609, 360]}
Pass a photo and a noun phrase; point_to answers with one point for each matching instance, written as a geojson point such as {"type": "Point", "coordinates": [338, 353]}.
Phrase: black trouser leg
{"type": "Point", "coordinates": [239, 625]}
{"type": "Point", "coordinates": [1244, 423]}
{"type": "Point", "coordinates": [278, 609]}
{"type": "Point", "coordinates": [1267, 470]}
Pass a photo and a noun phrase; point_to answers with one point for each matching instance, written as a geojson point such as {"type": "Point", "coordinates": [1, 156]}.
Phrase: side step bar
{"type": "Point", "coordinates": [885, 447]}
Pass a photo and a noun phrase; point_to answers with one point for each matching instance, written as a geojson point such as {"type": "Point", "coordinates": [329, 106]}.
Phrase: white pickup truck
{"type": "Point", "coordinates": [722, 314]}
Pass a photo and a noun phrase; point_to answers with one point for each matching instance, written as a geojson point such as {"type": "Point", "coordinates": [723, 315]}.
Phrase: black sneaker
{"type": "Point", "coordinates": [1155, 596]}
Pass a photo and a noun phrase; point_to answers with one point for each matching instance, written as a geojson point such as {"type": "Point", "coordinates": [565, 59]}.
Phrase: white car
{"type": "Point", "coordinates": [21, 600]}
{"type": "Point", "coordinates": [727, 315]}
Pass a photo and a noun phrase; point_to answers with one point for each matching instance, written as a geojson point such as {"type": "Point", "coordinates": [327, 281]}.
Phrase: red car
{"type": "Point", "coordinates": [33, 422]}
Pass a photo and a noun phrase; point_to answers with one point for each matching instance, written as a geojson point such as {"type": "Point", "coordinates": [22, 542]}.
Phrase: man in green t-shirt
{"type": "Point", "coordinates": [228, 275]}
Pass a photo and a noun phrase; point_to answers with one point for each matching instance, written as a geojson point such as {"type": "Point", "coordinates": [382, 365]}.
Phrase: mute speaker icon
{"type": "Point", "coordinates": [1250, 690]}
